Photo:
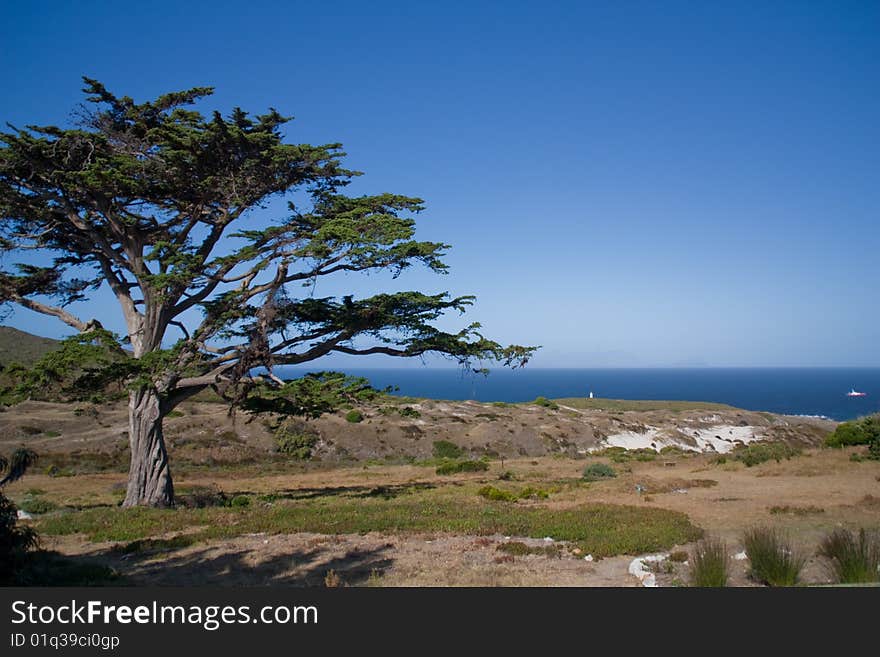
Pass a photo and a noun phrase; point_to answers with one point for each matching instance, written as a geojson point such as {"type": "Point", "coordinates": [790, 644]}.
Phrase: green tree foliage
{"type": "Point", "coordinates": [87, 365]}
{"type": "Point", "coordinates": [154, 200]}
{"type": "Point", "coordinates": [864, 431]}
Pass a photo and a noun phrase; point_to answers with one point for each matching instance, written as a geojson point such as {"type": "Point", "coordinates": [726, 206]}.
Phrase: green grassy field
{"type": "Point", "coordinates": [599, 529]}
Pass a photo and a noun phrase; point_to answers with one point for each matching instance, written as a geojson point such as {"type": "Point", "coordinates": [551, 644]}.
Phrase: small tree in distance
{"type": "Point", "coordinates": [153, 200]}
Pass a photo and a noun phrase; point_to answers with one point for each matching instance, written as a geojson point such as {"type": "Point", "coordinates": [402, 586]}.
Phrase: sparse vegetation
{"type": "Point", "coordinates": [773, 559]}
{"type": "Point", "coordinates": [520, 549]}
{"type": "Point", "coordinates": [853, 559]}
{"type": "Point", "coordinates": [499, 495]}
{"type": "Point", "coordinates": [710, 563]}
{"type": "Point", "coordinates": [598, 471]}
{"type": "Point", "coordinates": [409, 411]}
{"type": "Point", "coordinates": [454, 467]}
{"type": "Point", "coordinates": [546, 403]}
{"type": "Point", "coordinates": [354, 416]}
{"type": "Point", "coordinates": [295, 438]}
{"type": "Point", "coordinates": [796, 510]}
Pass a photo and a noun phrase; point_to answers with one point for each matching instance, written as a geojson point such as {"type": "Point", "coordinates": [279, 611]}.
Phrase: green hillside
{"type": "Point", "coordinates": [23, 348]}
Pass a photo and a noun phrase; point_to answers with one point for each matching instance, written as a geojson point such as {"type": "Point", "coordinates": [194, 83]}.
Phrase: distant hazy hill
{"type": "Point", "coordinates": [23, 348]}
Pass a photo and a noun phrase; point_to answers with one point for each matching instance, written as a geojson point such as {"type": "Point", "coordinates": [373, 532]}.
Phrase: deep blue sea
{"type": "Point", "coordinates": [794, 391]}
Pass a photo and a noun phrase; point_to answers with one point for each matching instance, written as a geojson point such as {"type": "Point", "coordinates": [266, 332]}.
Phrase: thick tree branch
{"type": "Point", "coordinates": [54, 311]}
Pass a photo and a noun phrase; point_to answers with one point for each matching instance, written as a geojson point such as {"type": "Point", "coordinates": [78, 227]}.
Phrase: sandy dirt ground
{"type": "Point", "coordinates": [805, 496]}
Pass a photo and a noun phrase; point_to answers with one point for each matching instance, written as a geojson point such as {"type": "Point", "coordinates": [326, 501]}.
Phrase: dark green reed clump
{"type": "Point", "coordinates": [710, 564]}
{"type": "Point", "coordinates": [852, 559]}
{"type": "Point", "coordinates": [774, 561]}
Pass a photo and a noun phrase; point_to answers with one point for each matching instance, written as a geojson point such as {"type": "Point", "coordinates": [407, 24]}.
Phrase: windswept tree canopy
{"type": "Point", "coordinates": [152, 199]}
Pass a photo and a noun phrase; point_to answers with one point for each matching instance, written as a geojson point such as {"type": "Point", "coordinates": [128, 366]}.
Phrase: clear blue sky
{"type": "Point", "coordinates": [625, 183]}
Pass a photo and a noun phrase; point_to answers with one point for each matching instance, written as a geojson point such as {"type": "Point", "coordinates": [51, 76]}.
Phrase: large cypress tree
{"type": "Point", "coordinates": [154, 200]}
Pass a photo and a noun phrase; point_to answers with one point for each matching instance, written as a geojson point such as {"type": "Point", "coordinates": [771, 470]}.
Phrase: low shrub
{"type": "Point", "coordinates": [354, 416]}
{"type": "Point", "coordinates": [295, 438]}
{"type": "Point", "coordinates": [444, 449]}
{"type": "Point", "coordinates": [520, 549]}
{"type": "Point", "coordinates": [853, 560]}
{"type": "Point", "coordinates": [201, 497]}
{"type": "Point", "coordinates": [240, 501]}
{"type": "Point", "coordinates": [598, 471]}
{"type": "Point", "coordinates": [409, 411]}
{"type": "Point", "coordinates": [757, 453]}
{"type": "Point", "coordinates": [874, 449]}
{"type": "Point", "coordinates": [496, 494]}
{"type": "Point", "coordinates": [36, 505]}
{"type": "Point", "coordinates": [710, 564]}
{"type": "Point", "coordinates": [546, 403]}
{"type": "Point", "coordinates": [534, 493]}
{"type": "Point", "coordinates": [773, 560]}
{"type": "Point", "coordinates": [454, 467]}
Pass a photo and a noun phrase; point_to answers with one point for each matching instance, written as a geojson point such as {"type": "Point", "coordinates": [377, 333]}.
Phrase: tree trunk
{"type": "Point", "coordinates": [149, 478]}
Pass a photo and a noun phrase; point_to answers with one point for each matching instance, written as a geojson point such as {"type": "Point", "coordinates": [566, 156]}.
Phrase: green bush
{"type": "Point", "coordinates": [354, 416]}
{"type": "Point", "coordinates": [496, 494]}
{"type": "Point", "coordinates": [531, 492]}
{"type": "Point", "coordinates": [444, 449]}
{"type": "Point", "coordinates": [773, 560]}
{"type": "Point", "coordinates": [546, 403]}
{"type": "Point", "coordinates": [857, 432]}
{"type": "Point", "coordinates": [454, 467]}
{"type": "Point", "coordinates": [409, 411]}
{"type": "Point", "coordinates": [757, 453]}
{"type": "Point", "coordinates": [597, 471]}
{"type": "Point", "coordinates": [295, 438]}
{"type": "Point", "coordinates": [240, 501]}
{"type": "Point", "coordinates": [36, 505]}
{"type": "Point", "coordinates": [852, 560]}
{"type": "Point", "coordinates": [710, 565]}
{"type": "Point", "coordinates": [873, 450]}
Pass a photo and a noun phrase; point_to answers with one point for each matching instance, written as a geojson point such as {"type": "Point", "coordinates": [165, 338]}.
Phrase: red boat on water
{"type": "Point", "coordinates": [853, 393]}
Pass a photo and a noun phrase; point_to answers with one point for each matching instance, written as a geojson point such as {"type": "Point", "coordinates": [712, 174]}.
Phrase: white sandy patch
{"type": "Point", "coordinates": [723, 438]}
{"type": "Point", "coordinates": [720, 438]}
{"type": "Point", "coordinates": [650, 439]}
{"type": "Point", "coordinates": [638, 569]}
